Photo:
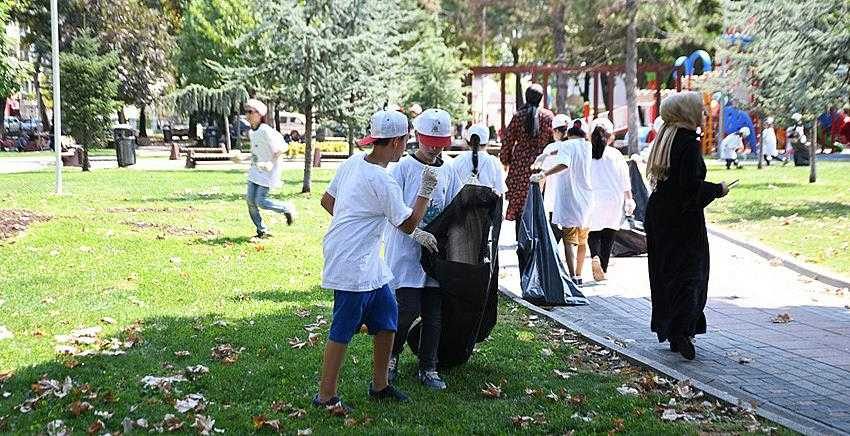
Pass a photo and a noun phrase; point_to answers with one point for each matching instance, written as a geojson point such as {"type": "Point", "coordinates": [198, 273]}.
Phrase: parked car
{"type": "Point", "coordinates": [13, 126]}
{"type": "Point", "coordinates": [31, 125]}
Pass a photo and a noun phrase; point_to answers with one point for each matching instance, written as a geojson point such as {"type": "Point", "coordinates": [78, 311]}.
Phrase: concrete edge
{"type": "Point", "coordinates": [799, 424]}
{"type": "Point", "coordinates": [807, 269]}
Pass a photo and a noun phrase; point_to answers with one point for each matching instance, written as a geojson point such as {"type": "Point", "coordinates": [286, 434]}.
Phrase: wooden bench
{"type": "Point", "coordinates": [205, 154]}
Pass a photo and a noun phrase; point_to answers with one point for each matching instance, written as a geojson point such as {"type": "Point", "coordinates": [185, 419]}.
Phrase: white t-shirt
{"type": "Point", "coordinates": [549, 189]}
{"type": "Point", "coordinates": [265, 143]}
{"type": "Point", "coordinates": [768, 142]}
{"type": "Point", "coordinates": [402, 252]}
{"type": "Point", "coordinates": [573, 190]}
{"type": "Point", "coordinates": [610, 177]}
{"type": "Point", "coordinates": [366, 198]}
{"type": "Point", "coordinates": [490, 171]}
{"type": "Point", "coordinates": [730, 145]}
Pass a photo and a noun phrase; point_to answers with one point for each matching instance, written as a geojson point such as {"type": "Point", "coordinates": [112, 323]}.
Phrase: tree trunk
{"type": "Point", "coordinates": [585, 93]}
{"type": "Point", "coordinates": [308, 122]}
{"type": "Point", "coordinates": [227, 145]}
{"type": "Point", "coordinates": [193, 129]}
{"type": "Point", "coordinates": [631, 77]}
{"type": "Point", "coordinates": [760, 153]}
{"type": "Point", "coordinates": [277, 116]}
{"type": "Point", "coordinates": [350, 139]}
{"type": "Point", "coordinates": [42, 108]}
{"type": "Point", "coordinates": [559, 36]}
{"type": "Point", "coordinates": [238, 131]}
{"type": "Point", "coordinates": [3, 125]}
{"type": "Point", "coordinates": [122, 119]}
{"type": "Point", "coordinates": [518, 77]}
{"type": "Point", "coordinates": [813, 148]}
{"type": "Point", "coordinates": [143, 123]}
{"type": "Point", "coordinates": [603, 92]}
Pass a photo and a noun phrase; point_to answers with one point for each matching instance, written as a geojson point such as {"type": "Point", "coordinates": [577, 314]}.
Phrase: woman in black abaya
{"type": "Point", "coordinates": [675, 224]}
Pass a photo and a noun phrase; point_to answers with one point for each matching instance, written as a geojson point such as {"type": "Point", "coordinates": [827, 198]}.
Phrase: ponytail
{"type": "Point", "coordinates": [599, 140]}
{"type": "Point", "coordinates": [474, 144]}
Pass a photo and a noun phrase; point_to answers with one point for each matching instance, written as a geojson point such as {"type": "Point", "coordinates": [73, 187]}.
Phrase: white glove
{"type": "Point", "coordinates": [429, 182]}
{"type": "Point", "coordinates": [536, 177]}
{"type": "Point", "coordinates": [629, 207]}
{"type": "Point", "coordinates": [425, 239]}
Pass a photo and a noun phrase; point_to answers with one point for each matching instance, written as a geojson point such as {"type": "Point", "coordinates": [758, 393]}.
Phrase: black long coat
{"type": "Point", "coordinates": [677, 242]}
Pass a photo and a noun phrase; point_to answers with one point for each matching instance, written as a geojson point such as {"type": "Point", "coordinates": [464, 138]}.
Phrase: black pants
{"type": "Point", "coordinates": [729, 163]}
{"type": "Point", "coordinates": [601, 242]}
{"type": "Point", "coordinates": [427, 304]}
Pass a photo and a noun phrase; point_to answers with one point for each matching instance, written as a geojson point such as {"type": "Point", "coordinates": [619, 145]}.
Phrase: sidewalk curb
{"type": "Point", "coordinates": [807, 269]}
{"type": "Point", "coordinates": [796, 423]}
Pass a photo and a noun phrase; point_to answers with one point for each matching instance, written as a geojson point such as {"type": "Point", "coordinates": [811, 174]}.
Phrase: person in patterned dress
{"type": "Point", "coordinates": [529, 131]}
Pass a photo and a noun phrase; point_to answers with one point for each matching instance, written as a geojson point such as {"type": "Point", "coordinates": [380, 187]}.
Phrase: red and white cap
{"type": "Point", "coordinates": [434, 127]}
{"type": "Point", "coordinates": [386, 124]}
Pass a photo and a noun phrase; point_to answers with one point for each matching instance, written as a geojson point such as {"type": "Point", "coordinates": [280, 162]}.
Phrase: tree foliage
{"type": "Point", "coordinates": [210, 33]}
{"type": "Point", "coordinates": [798, 60]}
{"type": "Point", "coordinates": [89, 90]}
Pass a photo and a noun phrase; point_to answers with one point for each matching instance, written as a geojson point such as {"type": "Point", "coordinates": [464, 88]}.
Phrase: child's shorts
{"type": "Point", "coordinates": [377, 309]}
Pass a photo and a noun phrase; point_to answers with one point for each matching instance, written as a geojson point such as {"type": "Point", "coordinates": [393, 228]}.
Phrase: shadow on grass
{"type": "Point", "coordinates": [760, 210]}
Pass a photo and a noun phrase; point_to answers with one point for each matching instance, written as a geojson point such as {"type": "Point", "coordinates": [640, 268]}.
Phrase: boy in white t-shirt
{"type": "Point", "coordinates": [417, 294]}
{"type": "Point", "coordinates": [267, 146]}
{"type": "Point", "coordinates": [361, 198]}
{"type": "Point", "coordinates": [572, 195]}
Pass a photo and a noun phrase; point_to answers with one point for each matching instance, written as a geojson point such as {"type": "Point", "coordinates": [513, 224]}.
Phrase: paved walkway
{"type": "Point", "coordinates": [797, 373]}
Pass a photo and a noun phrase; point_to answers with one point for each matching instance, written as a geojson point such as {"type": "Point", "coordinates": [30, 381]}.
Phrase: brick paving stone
{"type": "Point", "coordinates": [801, 369]}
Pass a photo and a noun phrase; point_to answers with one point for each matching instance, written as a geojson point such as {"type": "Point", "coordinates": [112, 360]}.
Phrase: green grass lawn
{"type": "Point", "coordinates": [164, 259]}
{"type": "Point", "coordinates": [779, 207]}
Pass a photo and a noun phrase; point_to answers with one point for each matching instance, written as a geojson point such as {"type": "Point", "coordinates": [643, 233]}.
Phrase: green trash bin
{"type": "Point", "coordinates": [125, 145]}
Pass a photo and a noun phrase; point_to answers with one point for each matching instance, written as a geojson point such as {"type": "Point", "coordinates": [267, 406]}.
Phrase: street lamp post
{"type": "Point", "coordinates": [57, 102]}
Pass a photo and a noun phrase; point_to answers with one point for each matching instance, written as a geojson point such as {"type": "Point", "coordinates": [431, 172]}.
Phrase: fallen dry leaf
{"type": "Point", "coordinates": [782, 318]}
{"type": "Point", "coordinates": [107, 320]}
{"type": "Point", "coordinates": [492, 391]}
{"type": "Point", "coordinates": [78, 408]}
{"type": "Point", "coordinates": [305, 432]}
{"type": "Point", "coordinates": [337, 410]}
{"type": "Point", "coordinates": [204, 424]}
{"type": "Point", "coordinates": [521, 421]}
{"type": "Point", "coordinates": [280, 406]}
{"type": "Point", "coordinates": [627, 390]}
{"type": "Point", "coordinates": [57, 428]}
{"type": "Point", "coordinates": [182, 354]}
{"type": "Point", "coordinates": [95, 427]}
{"type": "Point", "coordinates": [171, 423]}
{"type": "Point", "coordinates": [5, 375]}
{"type": "Point", "coordinates": [192, 402]}
{"type": "Point", "coordinates": [298, 414]}
{"type": "Point", "coordinates": [562, 374]}
{"type": "Point", "coordinates": [225, 353]}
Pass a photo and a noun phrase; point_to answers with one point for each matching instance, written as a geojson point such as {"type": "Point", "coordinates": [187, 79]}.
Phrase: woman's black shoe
{"type": "Point", "coordinates": [674, 346]}
{"type": "Point", "coordinates": [686, 349]}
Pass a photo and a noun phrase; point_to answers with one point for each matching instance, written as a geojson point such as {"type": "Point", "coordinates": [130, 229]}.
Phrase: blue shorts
{"type": "Point", "coordinates": [377, 309]}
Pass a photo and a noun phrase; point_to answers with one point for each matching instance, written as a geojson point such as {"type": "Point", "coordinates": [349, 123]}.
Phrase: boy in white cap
{"type": "Point", "coordinates": [477, 162]}
{"type": "Point", "coordinates": [731, 145]}
{"type": "Point", "coordinates": [768, 143]}
{"type": "Point", "coordinates": [547, 160]}
{"type": "Point", "coordinates": [416, 293]}
{"type": "Point", "coordinates": [572, 195]}
{"type": "Point", "coordinates": [267, 146]}
{"type": "Point", "coordinates": [362, 198]}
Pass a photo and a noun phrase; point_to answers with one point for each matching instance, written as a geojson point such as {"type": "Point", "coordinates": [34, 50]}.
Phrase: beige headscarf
{"type": "Point", "coordinates": [680, 110]}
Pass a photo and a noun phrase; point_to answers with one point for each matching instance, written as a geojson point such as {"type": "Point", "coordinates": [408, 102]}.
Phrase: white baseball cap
{"type": "Point", "coordinates": [744, 131]}
{"type": "Point", "coordinates": [769, 120]}
{"type": "Point", "coordinates": [434, 127]}
{"type": "Point", "coordinates": [605, 123]}
{"type": "Point", "coordinates": [797, 116]}
{"type": "Point", "coordinates": [560, 120]}
{"type": "Point", "coordinates": [386, 124]}
{"type": "Point", "coordinates": [258, 106]}
{"type": "Point", "coordinates": [482, 131]}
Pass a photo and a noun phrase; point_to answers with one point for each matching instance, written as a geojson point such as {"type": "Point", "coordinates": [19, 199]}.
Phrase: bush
{"type": "Point", "coordinates": [297, 148]}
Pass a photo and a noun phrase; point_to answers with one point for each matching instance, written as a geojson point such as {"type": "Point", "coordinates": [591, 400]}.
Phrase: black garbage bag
{"type": "Point", "coordinates": [544, 280]}
{"type": "Point", "coordinates": [801, 154]}
{"type": "Point", "coordinates": [467, 268]}
{"type": "Point", "coordinates": [630, 240]}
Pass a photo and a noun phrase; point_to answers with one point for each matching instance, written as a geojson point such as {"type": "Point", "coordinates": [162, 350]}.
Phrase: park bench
{"type": "Point", "coordinates": [205, 154]}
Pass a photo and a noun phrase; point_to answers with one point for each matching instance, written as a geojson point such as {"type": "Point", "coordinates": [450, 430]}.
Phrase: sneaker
{"type": "Point", "coordinates": [577, 281]}
{"type": "Point", "coordinates": [392, 369]}
{"type": "Point", "coordinates": [289, 214]}
{"type": "Point", "coordinates": [388, 393]}
{"type": "Point", "coordinates": [431, 379]}
{"type": "Point", "coordinates": [596, 266]}
{"type": "Point", "coordinates": [331, 402]}
{"type": "Point", "coordinates": [264, 235]}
